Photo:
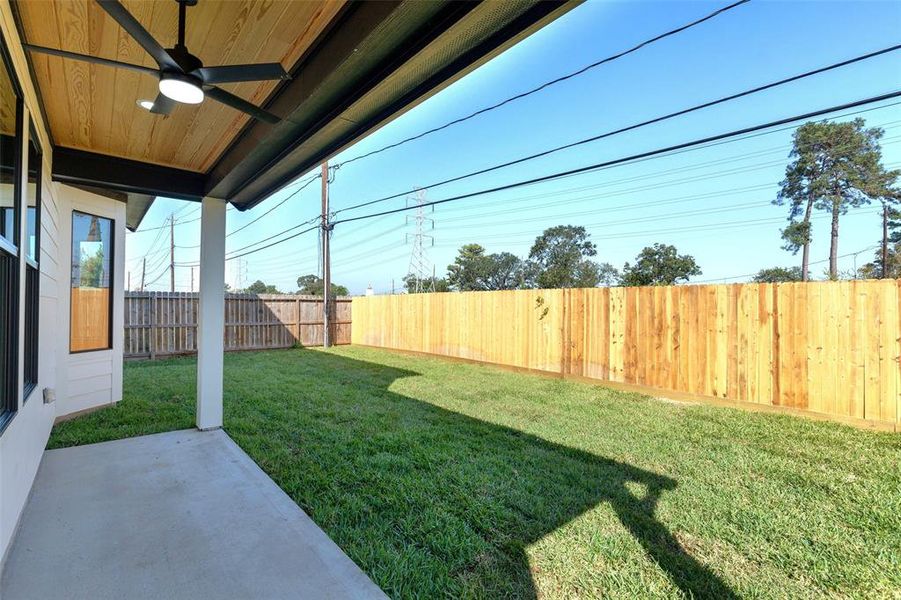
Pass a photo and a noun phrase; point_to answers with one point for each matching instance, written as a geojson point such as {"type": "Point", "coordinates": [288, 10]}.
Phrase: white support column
{"type": "Point", "coordinates": [211, 319]}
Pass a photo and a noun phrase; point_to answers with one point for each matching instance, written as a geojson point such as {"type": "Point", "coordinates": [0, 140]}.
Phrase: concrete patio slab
{"type": "Point", "coordinates": [185, 514]}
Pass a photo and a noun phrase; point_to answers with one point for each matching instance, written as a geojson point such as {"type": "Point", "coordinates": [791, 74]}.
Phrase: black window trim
{"type": "Point", "coordinates": [39, 199]}
{"type": "Point", "coordinates": [112, 275]}
{"type": "Point", "coordinates": [32, 265]}
{"type": "Point", "coordinates": [9, 407]}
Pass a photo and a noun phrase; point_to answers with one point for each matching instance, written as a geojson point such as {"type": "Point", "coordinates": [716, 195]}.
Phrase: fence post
{"type": "Point", "coordinates": [152, 326]}
{"type": "Point", "coordinates": [297, 321]}
{"type": "Point", "coordinates": [566, 355]}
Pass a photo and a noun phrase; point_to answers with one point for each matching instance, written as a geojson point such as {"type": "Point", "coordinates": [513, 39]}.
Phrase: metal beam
{"type": "Point", "coordinates": [260, 144]}
{"type": "Point", "coordinates": [261, 162]}
{"type": "Point", "coordinates": [79, 167]}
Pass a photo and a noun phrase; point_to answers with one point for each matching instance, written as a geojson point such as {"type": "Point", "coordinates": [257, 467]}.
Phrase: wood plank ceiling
{"type": "Point", "coordinates": [94, 107]}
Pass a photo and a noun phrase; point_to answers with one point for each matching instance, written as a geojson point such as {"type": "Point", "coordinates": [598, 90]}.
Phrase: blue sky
{"type": "Point", "coordinates": [712, 203]}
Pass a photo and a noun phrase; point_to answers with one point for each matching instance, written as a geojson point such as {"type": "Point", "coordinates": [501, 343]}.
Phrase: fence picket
{"type": "Point", "coordinates": [827, 347]}
{"type": "Point", "coordinates": [159, 324]}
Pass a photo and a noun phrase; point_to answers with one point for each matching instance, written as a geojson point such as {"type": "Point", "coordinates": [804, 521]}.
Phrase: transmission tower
{"type": "Point", "coordinates": [420, 267]}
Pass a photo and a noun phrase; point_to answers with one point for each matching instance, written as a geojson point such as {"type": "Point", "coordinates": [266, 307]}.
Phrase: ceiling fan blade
{"type": "Point", "coordinates": [236, 73]}
{"type": "Point", "coordinates": [125, 19]}
{"type": "Point", "coordinates": [229, 99]}
{"type": "Point", "coordinates": [92, 59]}
{"type": "Point", "coordinates": [162, 105]}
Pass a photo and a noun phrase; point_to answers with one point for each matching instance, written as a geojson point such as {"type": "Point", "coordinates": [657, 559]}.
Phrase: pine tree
{"type": "Point", "coordinates": [836, 166]}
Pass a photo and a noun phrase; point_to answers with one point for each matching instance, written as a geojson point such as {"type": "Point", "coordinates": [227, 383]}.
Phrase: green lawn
{"type": "Point", "coordinates": [443, 479]}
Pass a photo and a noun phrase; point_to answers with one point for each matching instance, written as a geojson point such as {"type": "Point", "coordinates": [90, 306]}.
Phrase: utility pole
{"type": "Point", "coordinates": [326, 261]}
{"type": "Point", "coordinates": [128, 286]}
{"type": "Point", "coordinates": [192, 280]}
{"type": "Point", "coordinates": [172, 253]}
{"type": "Point", "coordinates": [143, 271]}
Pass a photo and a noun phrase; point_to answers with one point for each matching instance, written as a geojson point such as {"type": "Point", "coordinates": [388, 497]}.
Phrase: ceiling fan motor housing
{"type": "Point", "coordinates": [187, 61]}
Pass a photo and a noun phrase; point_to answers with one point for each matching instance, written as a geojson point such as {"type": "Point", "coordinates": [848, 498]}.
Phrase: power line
{"type": "Point", "coordinates": [299, 233]}
{"type": "Point", "coordinates": [469, 214]}
{"type": "Point", "coordinates": [679, 148]}
{"type": "Point", "coordinates": [165, 226]}
{"type": "Point", "coordinates": [525, 236]}
{"type": "Point", "coordinates": [624, 192]}
{"type": "Point", "coordinates": [815, 262]}
{"type": "Point", "coordinates": [185, 222]}
{"type": "Point", "coordinates": [273, 236]}
{"type": "Point", "coordinates": [632, 127]}
{"type": "Point", "coordinates": [634, 157]}
{"type": "Point", "coordinates": [303, 186]}
{"type": "Point", "coordinates": [547, 84]}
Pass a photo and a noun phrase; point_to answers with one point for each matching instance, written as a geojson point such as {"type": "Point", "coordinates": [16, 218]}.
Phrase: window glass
{"type": "Point", "coordinates": [33, 197]}
{"type": "Point", "coordinates": [92, 261]}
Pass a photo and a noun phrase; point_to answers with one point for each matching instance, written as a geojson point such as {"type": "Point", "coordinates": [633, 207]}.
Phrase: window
{"type": "Point", "coordinates": [11, 115]}
{"type": "Point", "coordinates": [32, 249]}
{"type": "Point", "coordinates": [92, 280]}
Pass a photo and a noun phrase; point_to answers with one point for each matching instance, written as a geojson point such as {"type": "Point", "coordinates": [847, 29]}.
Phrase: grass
{"type": "Point", "coordinates": [448, 480]}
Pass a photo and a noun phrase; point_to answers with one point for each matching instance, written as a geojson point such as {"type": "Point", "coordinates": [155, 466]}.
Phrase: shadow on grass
{"type": "Point", "coordinates": [421, 496]}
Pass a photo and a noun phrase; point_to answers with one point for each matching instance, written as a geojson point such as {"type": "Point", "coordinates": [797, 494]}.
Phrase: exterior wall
{"type": "Point", "coordinates": [90, 379]}
{"type": "Point", "coordinates": [80, 381]}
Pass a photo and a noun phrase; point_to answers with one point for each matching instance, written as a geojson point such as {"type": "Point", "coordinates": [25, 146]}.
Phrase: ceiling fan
{"type": "Point", "coordinates": [182, 76]}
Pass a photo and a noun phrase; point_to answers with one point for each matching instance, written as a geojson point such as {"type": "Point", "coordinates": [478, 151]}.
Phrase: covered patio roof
{"type": "Point", "coordinates": [354, 66]}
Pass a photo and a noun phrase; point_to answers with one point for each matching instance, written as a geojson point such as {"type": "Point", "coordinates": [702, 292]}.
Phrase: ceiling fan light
{"type": "Point", "coordinates": [181, 88]}
{"type": "Point", "coordinates": [145, 104]}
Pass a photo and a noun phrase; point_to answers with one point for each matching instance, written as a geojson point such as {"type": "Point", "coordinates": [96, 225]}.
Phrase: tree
{"type": "Point", "coordinates": [415, 285]}
{"type": "Point", "coordinates": [258, 287]}
{"type": "Point", "coordinates": [474, 270]}
{"type": "Point", "coordinates": [504, 272]}
{"type": "Point", "coordinates": [891, 222]}
{"type": "Point", "coordinates": [312, 285]}
{"type": "Point", "coordinates": [836, 166]}
{"type": "Point", "coordinates": [892, 269]}
{"type": "Point", "coordinates": [559, 258]}
{"type": "Point", "coordinates": [779, 274]}
{"type": "Point", "coordinates": [469, 269]}
{"type": "Point", "coordinates": [660, 264]}
{"type": "Point", "coordinates": [91, 269]}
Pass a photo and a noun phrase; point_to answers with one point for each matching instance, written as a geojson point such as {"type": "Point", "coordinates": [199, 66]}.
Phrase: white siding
{"type": "Point", "coordinates": [80, 381]}
{"type": "Point", "coordinates": [91, 378]}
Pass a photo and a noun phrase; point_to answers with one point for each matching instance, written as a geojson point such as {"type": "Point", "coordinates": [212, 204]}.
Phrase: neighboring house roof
{"type": "Point", "coordinates": [355, 66]}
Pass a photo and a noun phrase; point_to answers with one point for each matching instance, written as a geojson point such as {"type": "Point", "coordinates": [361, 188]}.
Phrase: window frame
{"type": "Point", "coordinates": [112, 273]}
{"type": "Point", "coordinates": [38, 199]}
{"type": "Point", "coordinates": [9, 391]}
{"type": "Point", "coordinates": [32, 331]}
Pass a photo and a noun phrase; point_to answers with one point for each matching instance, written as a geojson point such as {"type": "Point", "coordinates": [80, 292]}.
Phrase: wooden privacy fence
{"type": "Point", "coordinates": [825, 347]}
{"type": "Point", "coordinates": [164, 324]}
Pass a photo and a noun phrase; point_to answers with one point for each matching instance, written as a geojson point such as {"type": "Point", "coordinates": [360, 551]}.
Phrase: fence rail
{"type": "Point", "coordinates": [825, 347]}
{"type": "Point", "coordinates": [159, 324]}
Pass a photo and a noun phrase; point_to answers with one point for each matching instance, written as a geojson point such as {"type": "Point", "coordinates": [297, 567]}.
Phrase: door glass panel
{"type": "Point", "coordinates": [92, 256]}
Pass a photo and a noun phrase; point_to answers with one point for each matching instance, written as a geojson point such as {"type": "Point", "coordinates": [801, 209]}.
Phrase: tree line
{"type": "Point", "coordinates": [307, 285]}
{"type": "Point", "coordinates": [561, 257]}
